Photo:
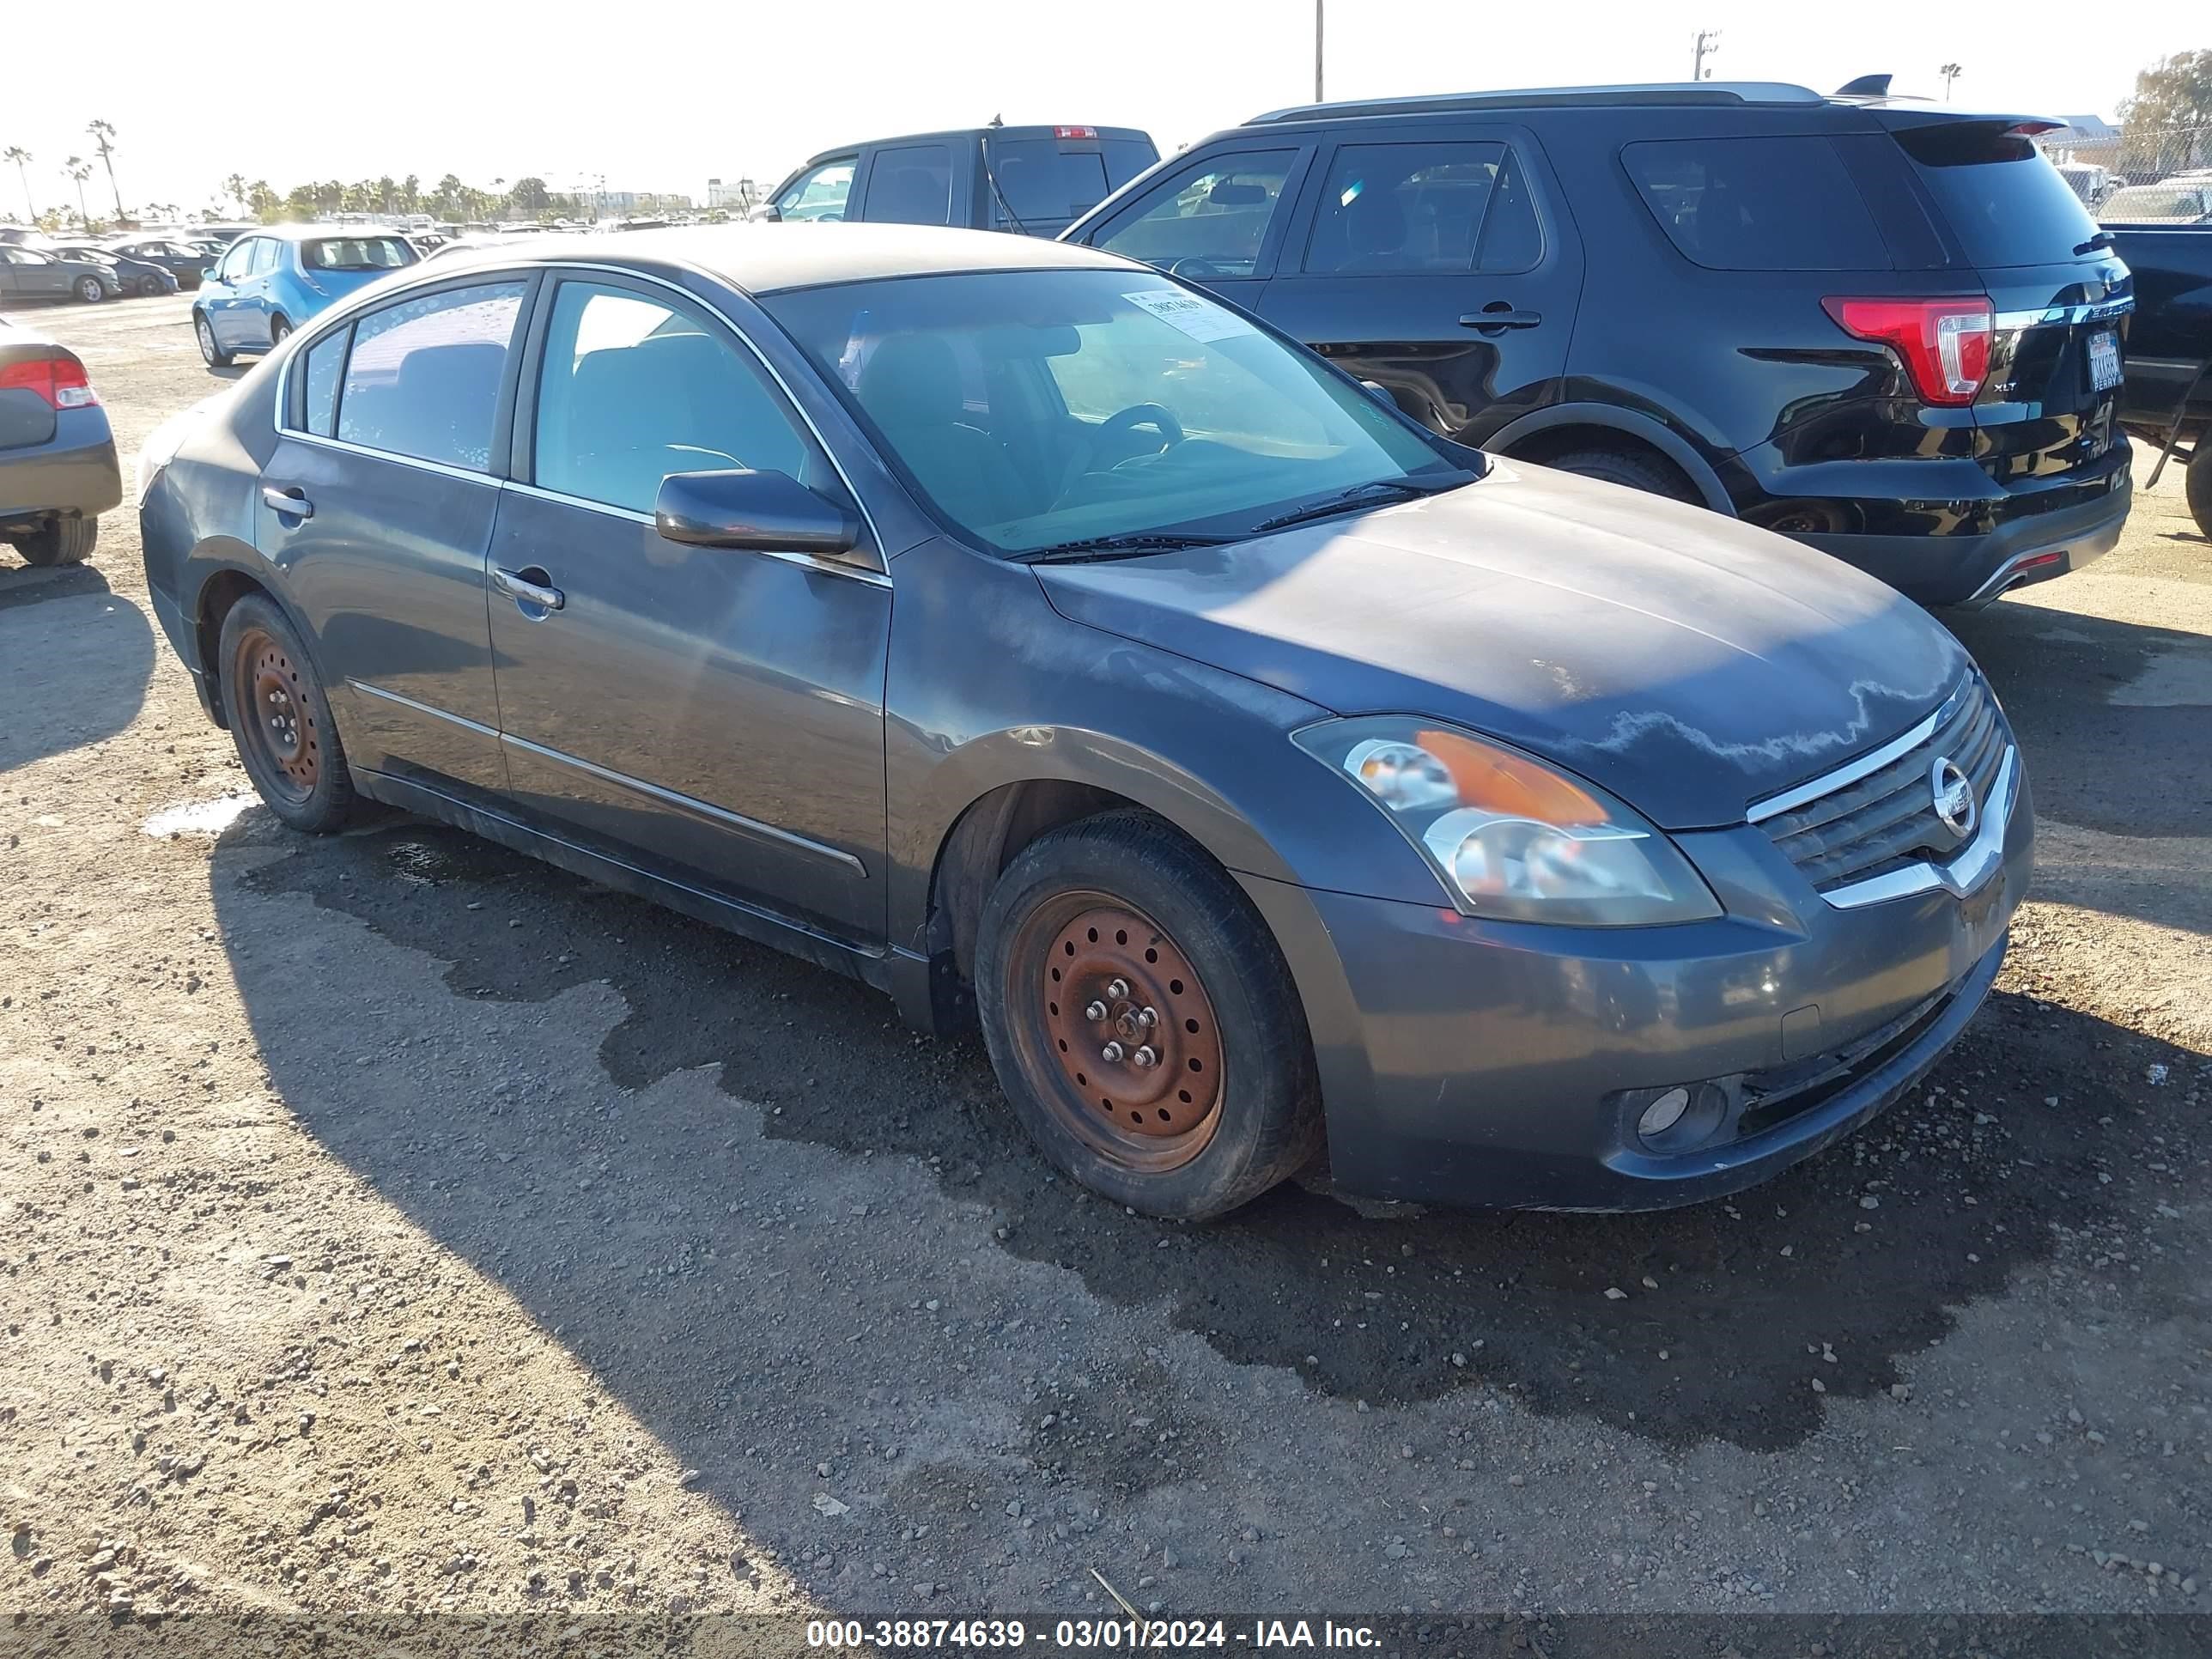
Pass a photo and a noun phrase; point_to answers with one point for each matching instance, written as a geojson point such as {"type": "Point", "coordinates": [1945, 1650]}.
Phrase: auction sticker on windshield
{"type": "Point", "coordinates": [1192, 315]}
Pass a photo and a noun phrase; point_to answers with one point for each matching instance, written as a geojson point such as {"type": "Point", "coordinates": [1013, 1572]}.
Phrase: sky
{"type": "Point", "coordinates": [690, 91]}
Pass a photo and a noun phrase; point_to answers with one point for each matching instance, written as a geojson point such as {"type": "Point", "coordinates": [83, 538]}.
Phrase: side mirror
{"type": "Point", "coordinates": [767, 512]}
{"type": "Point", "coordinates": [769, 215]}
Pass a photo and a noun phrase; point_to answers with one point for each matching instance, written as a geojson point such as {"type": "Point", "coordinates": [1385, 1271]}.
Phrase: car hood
{"type": "Point", "coordinates": [1687, 663]}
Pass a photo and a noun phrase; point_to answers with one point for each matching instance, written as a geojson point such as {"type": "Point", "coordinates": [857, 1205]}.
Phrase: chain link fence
{"type": "Point", "coordinates": [2144, 176]}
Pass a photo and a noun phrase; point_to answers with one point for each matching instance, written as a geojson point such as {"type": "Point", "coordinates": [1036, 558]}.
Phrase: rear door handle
{"type": "Point", "coordinates": [287, 500]}
{"type": "Point", "coordinates": [1501, 320]}
{"type": "Point", "coordinates": [523, 591]}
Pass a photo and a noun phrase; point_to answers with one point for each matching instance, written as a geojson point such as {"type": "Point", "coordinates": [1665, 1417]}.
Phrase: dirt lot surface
{"type": "Point", "coordinates": [389, 1222]}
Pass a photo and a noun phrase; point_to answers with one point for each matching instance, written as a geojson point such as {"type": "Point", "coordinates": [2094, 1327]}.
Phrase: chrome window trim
{"type": "Point", "coordinates": [304, 342]}
{"type": "Point", "coordinates": [421, 708]}
{"type": "Point", "coordinates": [806, 561]}
{"type": "Point", "coordinates": [1976, 862]}
{"type": "Point", "coordinates": [1852, 771]}
{"type": "Point", "coordinates": [690, 804]}
{"type": "Point", "coordinates": [348, 447]}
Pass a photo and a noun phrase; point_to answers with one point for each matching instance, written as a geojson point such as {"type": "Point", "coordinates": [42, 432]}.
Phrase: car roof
{"type": "Point", "coordinates": [765, 258]}
{"type": "Point", "coordinates": [1708, 95]}
{"type": "Point", "coordinates": [318, 233]}
{"type": "Point", "coordinates": [1036, 129]}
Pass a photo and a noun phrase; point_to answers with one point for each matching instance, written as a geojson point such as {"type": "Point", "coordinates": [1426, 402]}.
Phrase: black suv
{"type": "Point", "coordinates": [1036, 180]}
{"type": "Point", "coordinates": [1887, 329]}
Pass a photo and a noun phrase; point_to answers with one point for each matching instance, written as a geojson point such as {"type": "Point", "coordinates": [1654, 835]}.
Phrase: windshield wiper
{"type": "Point", "coordinates": [1094, 548]}
{"type": "Point", "coordinates": [1374, 494]}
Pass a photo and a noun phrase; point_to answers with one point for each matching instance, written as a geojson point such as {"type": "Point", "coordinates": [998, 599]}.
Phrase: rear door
{"type": "Point", "coordinates": [1220, 219]}
{"type": "Point", "coordinates": [379, 501]}
{"type": "Point", "coordinates": [1433, 262]}
{"type": "Point", "coordinates": [2061, 297]}
{"type": "Point", "coordinates": [913, 183]}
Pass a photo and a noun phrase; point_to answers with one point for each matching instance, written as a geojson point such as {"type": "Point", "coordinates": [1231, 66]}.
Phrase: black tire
{"type": "Point", "coordinates": [2196, 483]}
{"type": "Point", "coordinates": [280, 328]}
{"type": "Point", "coordinates": [60, 541]}
{"type": "Point", "coordinates": [91, 290]}
{"type": "Point", "coordinates": [1654, 477]}
{"type": "Point", "coordinates": [149, 288]}
{"type": "Point", "coordinates": [1263, 1120]}
{"type": "Point", "coordinates": [280, 721]}
{"type": "Point", "coordinates": [214, 355]}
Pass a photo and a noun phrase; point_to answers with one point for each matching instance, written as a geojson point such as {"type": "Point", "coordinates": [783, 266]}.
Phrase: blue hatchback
{"type": "Point", "coordinates": [269, 282]}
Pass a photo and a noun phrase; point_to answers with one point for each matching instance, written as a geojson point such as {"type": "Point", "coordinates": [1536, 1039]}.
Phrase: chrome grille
{"type": "Point", "coordinates": [1885, 820]}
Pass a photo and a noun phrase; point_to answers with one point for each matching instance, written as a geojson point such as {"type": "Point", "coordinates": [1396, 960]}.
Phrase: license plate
{"type": "Point", "coordinates": [2104, 360]}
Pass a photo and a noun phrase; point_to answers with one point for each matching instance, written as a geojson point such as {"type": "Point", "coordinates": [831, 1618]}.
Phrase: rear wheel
{"type": "Point", "coordinates": [60, 541]}
{"type": "Point", "coordinates": [280, 326]}
{"type": "Point", "coordinates": [1143, 1022]}
{"type": "Point", "coordinates": [215, 355]}
{"type": "Point", "coordinates": [280, 721]}
{"type": "Point", "coordinates": [1619, 466]}
{"type": "Point", "coordinates": [2196, 483]}
{"type": "Point", "coordinates": [91, 290]}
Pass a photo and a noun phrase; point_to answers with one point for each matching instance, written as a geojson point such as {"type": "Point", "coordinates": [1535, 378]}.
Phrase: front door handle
{"type": "Point", "coordinates": [1505, 318]}
{"type": "Point", "coordinates": [523, 591]}
{"type": "Point", "coordinates": [289, 501]}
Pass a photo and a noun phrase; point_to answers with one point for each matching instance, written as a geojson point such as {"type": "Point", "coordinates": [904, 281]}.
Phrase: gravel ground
{"type": "Point", "coordinates": [391, 1223]}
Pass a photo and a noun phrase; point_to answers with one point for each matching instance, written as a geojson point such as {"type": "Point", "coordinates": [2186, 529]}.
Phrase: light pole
{"type": "Point", "coordinates": [1318, 4]}
{"type": "Point", "coordinates": [1950, 72]}
{"type": "Point", "coordinates": [1709, 41]}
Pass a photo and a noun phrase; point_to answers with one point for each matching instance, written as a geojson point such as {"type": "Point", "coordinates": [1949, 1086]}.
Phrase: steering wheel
{"type": "Point", "coordinates": [1198, 270]}
{"type": "Point", "coordinates": [1117, 426]}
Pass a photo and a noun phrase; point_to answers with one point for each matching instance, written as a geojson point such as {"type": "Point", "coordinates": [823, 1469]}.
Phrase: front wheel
{"type": "Point", "coordinates": [214, 355]}
{"type": "Point", "coordinates": [2196, 483]}
{"type": "Point", "coordinates": [1143, 1022]}
{"type": "Point", "coordinates": [91, 290]}
{"type": "Point", "coordinates": [280, 721]}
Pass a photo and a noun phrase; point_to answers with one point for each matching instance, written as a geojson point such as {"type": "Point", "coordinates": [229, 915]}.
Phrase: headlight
{"type": "Point", "coordinates": [1511, 838]}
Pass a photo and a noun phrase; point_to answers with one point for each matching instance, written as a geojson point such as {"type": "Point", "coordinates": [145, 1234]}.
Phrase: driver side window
{"type": "Point", "coordinates": [1216, 215]}
{"type": "Point", "coordinates": [634, 388]}
{"type": "Point", "coordinates": [820, 193]}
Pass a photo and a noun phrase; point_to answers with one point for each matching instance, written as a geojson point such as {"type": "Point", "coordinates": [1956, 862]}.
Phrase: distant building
{"type": "Point", "coordinates": [736, 196]}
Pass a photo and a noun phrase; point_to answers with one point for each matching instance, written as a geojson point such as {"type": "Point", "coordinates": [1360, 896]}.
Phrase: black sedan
{"type": "Point", "coordinates": [1051, 645]}
{"type": "Point", "coordinates": [180, 259]}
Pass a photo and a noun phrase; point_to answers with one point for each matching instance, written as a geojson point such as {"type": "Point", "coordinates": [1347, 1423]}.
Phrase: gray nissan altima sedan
{"type": "Point", "coordinates": [1038, 639]}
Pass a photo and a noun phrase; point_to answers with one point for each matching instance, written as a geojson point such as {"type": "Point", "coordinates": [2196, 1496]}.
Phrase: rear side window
{"type": "Point", "coordinates": [1394, 208]}
{"type": "Point", "coordinates": [326, 362]}
{"type": "Point", "coordinates": [2005, 203]}
{"type": "Point", "coordinates": [424, 376]}
{"type": "Point", "coordinates": [1773, 203]}
{"type": "Point", "coordinates": [1216, 216]}
{"type": "Point", "coordinates": [911, 186]}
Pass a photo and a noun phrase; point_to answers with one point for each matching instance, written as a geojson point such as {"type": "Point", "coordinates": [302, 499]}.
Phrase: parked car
{"type": "Point", "coordinates": [1034, 180]}
{"type": "Point", "coordinates": [140, 277]}
{"type": "Point", "coordinates": [1887, 331]}
{"type": "Point", "coordinates": [1250, 760]}
{"type": "Point", "coordinates": [52, 273]}
{"type": "Point", "coordinates": [2176, 202]}
{"type": "Point", "coordinates": [180, 258]}
{"type": "Point", "coordinates": [269, 283]}
{"type": "Point", "coordinates": [2169, 347]}
{"type": "Point", "coordinates": [58, 468]}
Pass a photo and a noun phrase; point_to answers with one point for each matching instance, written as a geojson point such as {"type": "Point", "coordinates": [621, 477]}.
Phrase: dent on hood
{"type": "Point", "coordinates": [1874, 720]}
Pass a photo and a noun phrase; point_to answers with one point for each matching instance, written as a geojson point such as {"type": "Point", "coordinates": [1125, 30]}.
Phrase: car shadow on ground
{"type": "Point", "coordinates": [2111, 717]}
{"type": "Point", "coordinates": [1726, 1314]}
{"type": "Point", "coordinates": [75, 660]}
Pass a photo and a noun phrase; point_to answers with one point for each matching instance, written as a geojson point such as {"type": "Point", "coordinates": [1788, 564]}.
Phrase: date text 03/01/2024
{"type": "Point", "coordinates": [1083, 1635]}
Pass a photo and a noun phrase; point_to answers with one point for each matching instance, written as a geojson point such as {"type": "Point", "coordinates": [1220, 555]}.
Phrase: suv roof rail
{"type": "Point", "coordinates": [1655, 92]}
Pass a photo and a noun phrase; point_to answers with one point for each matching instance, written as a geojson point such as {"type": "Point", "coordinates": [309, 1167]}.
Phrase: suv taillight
{"type": "Point", "coordinates": [1944, 343]}
{"type": "Point", "coordinates": [60, 381]}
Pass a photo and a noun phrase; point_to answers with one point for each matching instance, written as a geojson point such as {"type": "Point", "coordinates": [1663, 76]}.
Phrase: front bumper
{"type": "Point", "coordinates": [1502, 1064]}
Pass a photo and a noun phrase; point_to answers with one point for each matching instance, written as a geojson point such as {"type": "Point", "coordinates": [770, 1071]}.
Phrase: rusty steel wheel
{"type": "Point", "coordinates": [282, 730]}
{"type": "Point", "coordinates": [1109, 998]}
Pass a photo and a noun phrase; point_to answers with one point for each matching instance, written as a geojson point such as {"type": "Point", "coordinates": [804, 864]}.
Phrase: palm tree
{"type": "Point", "coordinates": [80, 169]}
{"type": "Point", "coordinates": [103, 142]}
{"type": "Point", "coordinates": [21, 158]}
{"type": "Point", "coordinates": [234, 187]}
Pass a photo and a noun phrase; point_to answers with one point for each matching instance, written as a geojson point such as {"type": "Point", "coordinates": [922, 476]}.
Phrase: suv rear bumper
{"type": "Point", "coordinates": [1975, 550]}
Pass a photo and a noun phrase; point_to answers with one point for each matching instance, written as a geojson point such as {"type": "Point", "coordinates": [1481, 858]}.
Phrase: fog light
{"type": "Point", "coordinates": [1663, 1114]}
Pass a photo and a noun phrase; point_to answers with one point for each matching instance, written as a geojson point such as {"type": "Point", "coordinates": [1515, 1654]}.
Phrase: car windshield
{"type": "Point", "coordinates": [356, 253]}
{"type": "Point", "coordinates": [1037, 409]}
